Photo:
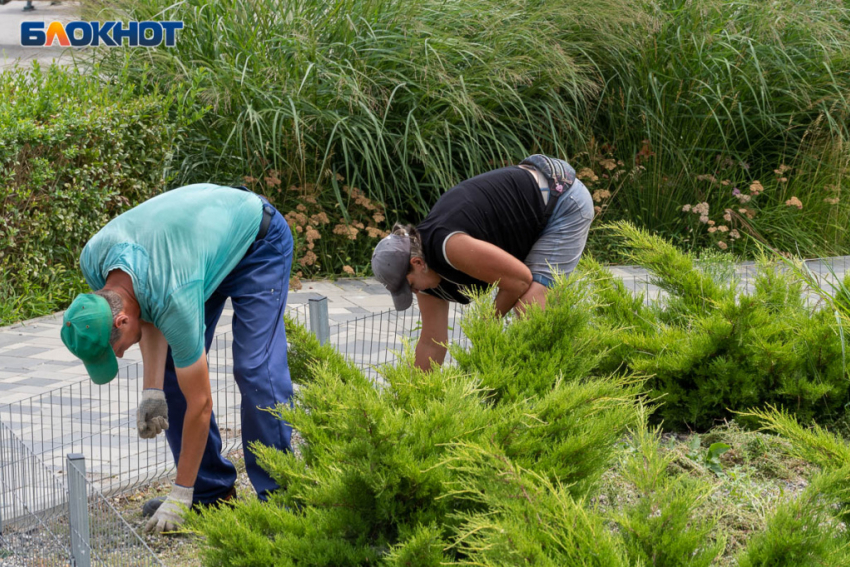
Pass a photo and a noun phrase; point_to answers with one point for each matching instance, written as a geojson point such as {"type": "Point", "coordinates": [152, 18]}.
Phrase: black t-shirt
{"type": "Point", "coordinates": [503, 207]}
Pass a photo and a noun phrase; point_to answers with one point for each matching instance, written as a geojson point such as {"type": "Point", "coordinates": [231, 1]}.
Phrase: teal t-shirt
{"type": "Point", "coordinates": [177, 248]}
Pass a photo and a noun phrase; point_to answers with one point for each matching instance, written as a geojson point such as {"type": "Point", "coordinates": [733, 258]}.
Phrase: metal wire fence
{"type": "Point", "coordinates": [33, 503]}
{"type": "Point", "coordinates": [50, 520]}
{"type": "Point", "coordinates": [100, 422]}
{"type": "Point", "coordinates": [98, 533]}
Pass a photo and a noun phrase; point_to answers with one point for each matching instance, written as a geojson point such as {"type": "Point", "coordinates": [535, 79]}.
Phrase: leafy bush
{"type": "Point", "coordinates": [660, 528]}
{"type": "Point", "coordinates": [74, 152]}
{"type": "Point", "coordinates": [507, 457]}
{"type": "Point", "coordinates": [710, 348]}
{"type": "Point", "coordinates": [804, 532]}
{"type": "Point", "coordinates": [328, 239]}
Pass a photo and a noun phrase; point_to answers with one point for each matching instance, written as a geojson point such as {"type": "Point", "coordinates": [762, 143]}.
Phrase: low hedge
{"type": "Point", "coordinates": [74, 152]}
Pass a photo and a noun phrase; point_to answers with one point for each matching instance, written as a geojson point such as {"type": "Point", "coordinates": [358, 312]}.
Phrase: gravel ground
{"type": "Point", "coordinates": [177, 550]}
{"type": "Point", "coordinates": [172, 550]}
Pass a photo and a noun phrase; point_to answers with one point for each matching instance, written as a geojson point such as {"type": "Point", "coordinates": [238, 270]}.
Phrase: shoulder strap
{"type": "Point", "coordinates": [559, 174]}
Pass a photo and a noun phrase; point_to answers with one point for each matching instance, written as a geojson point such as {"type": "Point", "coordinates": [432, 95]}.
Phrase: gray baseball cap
{"type": "Point", "coordinates": [390, 264]}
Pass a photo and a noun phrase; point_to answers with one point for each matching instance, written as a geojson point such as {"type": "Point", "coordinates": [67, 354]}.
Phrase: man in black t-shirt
{"type": "Point", "coordinates": [512, 227]}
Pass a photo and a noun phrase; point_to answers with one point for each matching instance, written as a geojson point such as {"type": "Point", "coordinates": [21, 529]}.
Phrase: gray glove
{"type": "Point", "coordinates": [152, 417]}
{"type": "Point", "coordinates": [169, 516]}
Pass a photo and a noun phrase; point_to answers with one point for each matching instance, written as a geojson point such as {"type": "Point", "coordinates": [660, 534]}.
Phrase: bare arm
{"type": "Point", "coordinates": [491, 264]}
{"type": "Point", "coordinates": [435, 331]}
{"type": "Point", "coordinates": [194, 382]}
{"type": "Point", "coordinates": [154, 349]}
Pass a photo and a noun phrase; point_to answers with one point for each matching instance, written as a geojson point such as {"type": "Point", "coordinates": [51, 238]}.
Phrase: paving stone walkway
{"type": "Point", "coordinates": [12, 14]}
{"type": "Point", "coordinates": [34, 361]}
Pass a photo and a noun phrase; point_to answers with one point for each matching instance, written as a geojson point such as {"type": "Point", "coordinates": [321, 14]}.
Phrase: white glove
{"type": "Point", "coordinates": [169, 515]}
{"type": "Point", "coordinates": [152, 417]}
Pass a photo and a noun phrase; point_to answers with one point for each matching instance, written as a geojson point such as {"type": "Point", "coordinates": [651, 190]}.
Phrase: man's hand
{"type": "Point", "coordinates": [152, 417]}
{"type": "Point", "coordinates": [169, 516]}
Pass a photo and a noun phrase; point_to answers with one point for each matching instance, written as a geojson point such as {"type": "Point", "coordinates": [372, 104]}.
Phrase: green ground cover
{"type": "Point", "coordinates": [536, 448]}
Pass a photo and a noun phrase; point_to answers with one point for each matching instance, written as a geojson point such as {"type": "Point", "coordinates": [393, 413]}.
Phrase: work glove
{"type": "Point", "coordinates": [169, 516]}
{"type": "Point", "coordinates": [152, 417]}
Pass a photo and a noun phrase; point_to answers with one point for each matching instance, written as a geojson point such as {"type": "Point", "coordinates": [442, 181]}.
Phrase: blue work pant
{"type": "Point", "coordinates": [257, 287]}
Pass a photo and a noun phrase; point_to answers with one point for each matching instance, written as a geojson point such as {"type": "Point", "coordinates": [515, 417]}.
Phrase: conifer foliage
{"type": "Point", "coordinates": [447, 466]}
{"type": "Point", "coordinates": [712, 346]}
{"type": "Point", "coordinates": [496, 460]}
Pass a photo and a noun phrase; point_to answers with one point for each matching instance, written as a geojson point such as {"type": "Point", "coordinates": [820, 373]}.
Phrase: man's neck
{"type": "Point", "coordinates": [121, 283]}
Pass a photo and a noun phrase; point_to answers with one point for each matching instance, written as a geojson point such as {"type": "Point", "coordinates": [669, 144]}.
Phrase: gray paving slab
{"type": "Point", "coordinates": [9, 363]}
{"type": "Point", "coordinates": [34, 381]}
{"type": "Point", "coordinates": [24, 352]}
{"type": "Point", "coordinates": [12, 15]}
{"type": "Point", "coordinates": [7, 339]}
{"type": "Point", "coordinates": [359, 310]}
{"type": "Point", "coordinates": [298, 297]}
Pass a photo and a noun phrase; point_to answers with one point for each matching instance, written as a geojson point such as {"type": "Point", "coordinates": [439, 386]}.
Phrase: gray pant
{"type": "Point", "coordinates": [562, 241]}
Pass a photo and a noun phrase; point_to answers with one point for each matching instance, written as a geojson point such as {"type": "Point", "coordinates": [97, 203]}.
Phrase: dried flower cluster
{"type": "Point", "coordinates": [319, 240]}
{"type": "Point", "coordinates": [794, 202]}
{"type": "Point", "coordinates": [608, 173]}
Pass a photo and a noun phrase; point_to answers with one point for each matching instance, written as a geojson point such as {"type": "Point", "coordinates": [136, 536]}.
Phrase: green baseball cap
{"type": "Point", "coordinates": [85, 331]}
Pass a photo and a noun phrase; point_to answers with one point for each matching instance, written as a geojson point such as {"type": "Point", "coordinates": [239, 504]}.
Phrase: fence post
{"type": "Point", "coordinates": [78, 510]}
{"type": "Point", "coordinates": [3, 461]}
{"type": "Point", "coordinates": [319, 323]}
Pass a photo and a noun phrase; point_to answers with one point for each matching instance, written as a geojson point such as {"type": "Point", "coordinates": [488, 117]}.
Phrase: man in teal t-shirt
{"type": "Point", "coordinates": [161, 273]}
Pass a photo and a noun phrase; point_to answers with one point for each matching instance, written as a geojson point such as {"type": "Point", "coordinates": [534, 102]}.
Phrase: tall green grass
{"type": "Point", "coordinates": [404, 99]}
{"type": "Point", "coordinates": [734, 90]}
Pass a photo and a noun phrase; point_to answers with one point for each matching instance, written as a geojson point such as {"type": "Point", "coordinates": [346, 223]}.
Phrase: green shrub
{"type": "Point", "coordinates": [74, 152]}
{"type": "Point", "coordinates": [327, 238]}
{"type": "Point", "coordinates": [457, 466]}
{"type": "Point", "coordinates": [817, 445]}
{"type": "Point", "coordinates": [805, 532]}
{"type": "Point", "coordinates": [711, 349]}
{"type": "Point", "coordinates": [526, 520]}
{"type": "Point", "coordinates": [407, 471]}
